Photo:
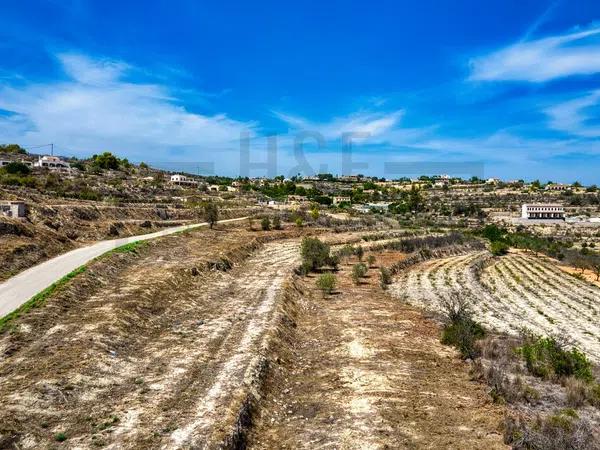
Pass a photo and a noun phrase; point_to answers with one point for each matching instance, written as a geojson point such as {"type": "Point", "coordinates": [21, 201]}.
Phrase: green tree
{"type": "Point", "coordinates": [415, 199]}
{"type": "Point", "coordinates": [211, 213]}
{"type": "Point", "coordinates": [315, 254]}
{"type": "Point", "coordinates": [106, 161]}
{"type": "Point", "coordinates": [493, 233]}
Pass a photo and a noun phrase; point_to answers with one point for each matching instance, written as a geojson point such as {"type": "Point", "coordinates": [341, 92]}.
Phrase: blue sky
{"type": "Point", "coordinates": [512, 84]}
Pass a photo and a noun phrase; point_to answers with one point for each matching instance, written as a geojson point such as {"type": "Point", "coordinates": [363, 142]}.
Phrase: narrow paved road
{"type": "Point", "coordinates": [20, 288]}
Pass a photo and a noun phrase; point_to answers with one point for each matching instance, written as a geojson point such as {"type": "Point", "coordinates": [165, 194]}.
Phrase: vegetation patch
{"type": "Point", "coordinates": [316, 254]}
{"type": "Point", "coordinates": [326, 283]}
{"type": "Point", "coordinates": [132, 247]}
{"type": "Point", "coordinates": [546, 357]}
{"type": "Point", "coordinates": [460, 329]}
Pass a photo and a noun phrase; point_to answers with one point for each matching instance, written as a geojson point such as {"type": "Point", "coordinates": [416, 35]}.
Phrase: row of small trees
{"type": "Point", "coordinates": [317, 255]}
{"type": "Point", "coordinates": [500, 240]}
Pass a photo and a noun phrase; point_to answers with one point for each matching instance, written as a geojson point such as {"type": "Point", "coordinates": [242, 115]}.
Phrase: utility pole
{"type": "Point", "coordinates": [52, 149]}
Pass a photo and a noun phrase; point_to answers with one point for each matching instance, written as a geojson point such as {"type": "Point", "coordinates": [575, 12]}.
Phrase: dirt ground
{"type": "Point", "coordinates": [363, 370]}
{"type": "Point", "coordinates": [144, 350]}
{"type": "Point", "coordinates": [589, 275]}
{"type": "Point", "coordinates": [207, 340]}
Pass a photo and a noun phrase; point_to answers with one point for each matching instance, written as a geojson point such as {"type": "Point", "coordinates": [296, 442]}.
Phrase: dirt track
{"type": "Point", "coordinates": [365, 371]}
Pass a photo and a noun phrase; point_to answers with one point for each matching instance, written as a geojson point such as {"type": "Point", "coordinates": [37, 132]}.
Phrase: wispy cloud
{"type": "Point", "coordinates": [571, 116]}
{"type": "Point", "coordinates": [99, 108]}
{"type": "Point", "coordinates": [373, 124]}
{"type": "Point", "coordinates": [540, 20]}
{"type": "Point", "coordinates": [576, 53]}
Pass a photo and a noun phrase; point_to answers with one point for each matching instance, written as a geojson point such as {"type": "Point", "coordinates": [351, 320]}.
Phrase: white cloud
{"type": "Point", "coordinates": [576, 53]}
{"type": "Point", "coordinates": [375, 125]}
{"type": "Point", "coordinates": [570, 116]}
{"type": "Point", "coordinates": [97, 109]}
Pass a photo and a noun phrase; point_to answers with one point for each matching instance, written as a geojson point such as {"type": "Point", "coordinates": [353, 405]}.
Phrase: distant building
{"type": "Point", "coordinates": [558, 187]}
{"type": "Point", "coordinates": [543, 211]}
{"type": "Point", "coordinates": [379, 205]}
{"type": "Point", "coordinates": [493, 181]}
{"type": "Point", "coordinates": [296, 199]}
{"type": "Point", "coordinates": [337, 199]}
{"type": "Point", "coordinates": [5, 162]}
{"type": "Point", "coordinates": [13, 209]}
{"type": "Point", "coordinates": [52, 163]}
{"type": "Point", "coordinates": [182, 180]}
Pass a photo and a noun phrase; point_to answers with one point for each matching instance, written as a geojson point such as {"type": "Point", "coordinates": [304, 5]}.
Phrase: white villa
{"type": "Point", "coordinates": [53, 163]}
{"type": "Point", "coordinates": [182, 180]}
{"type": "Point", "coordinates": [543, 211]}
{"type": "Point", "coordinates": [337, 199]}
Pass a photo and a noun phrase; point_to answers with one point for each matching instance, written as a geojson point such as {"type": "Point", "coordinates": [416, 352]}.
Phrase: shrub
{"type": "Point", "coordinates": [299, 221]}
{"type": "Point", "coordinates": [333, 261]}
{"type": "Point", "coordinates": [265, 224]}
{"type": "Point", "coordinates": [460, 330]}
{"type": "Point", "coordinates": [277, 223]}
{"type": "Point", "coordinates": [315, 254]}
{"type": "Point", "coordinates": [546, 357]}
{"type": "Point", "coordinates": [385, 277]}
{"type": "Point", "coordinates": [346, 251]}
{"type": "Point", "coordinates": [462, 335]}
{"type": "Point", "coordinates": [577, 392]}
{"type": "Point", "coordinates": [326, 282]}
{"type": "Point", "coordinates": [371, 260]}
{"type": "Point", "coordinates": [562, 430]}
{"type": "Point", "coordinates": [358, 271]}
{"type": "Point", "coordinates": [498, 248]}
{"type": "Point", "coordinates": [594, 394]}
{"type": "Point", "coordinates": [60, 437]}
{"type": "Point", "coordinates": [17, 168]}
{"type": "Point", "coordinates": [359, 252]}
{"type": "Point", "coordinates": [314, 213]}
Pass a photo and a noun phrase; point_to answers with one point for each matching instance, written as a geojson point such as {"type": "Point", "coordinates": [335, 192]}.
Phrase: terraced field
{"type": "Point", "coordinates": [510, 293]}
